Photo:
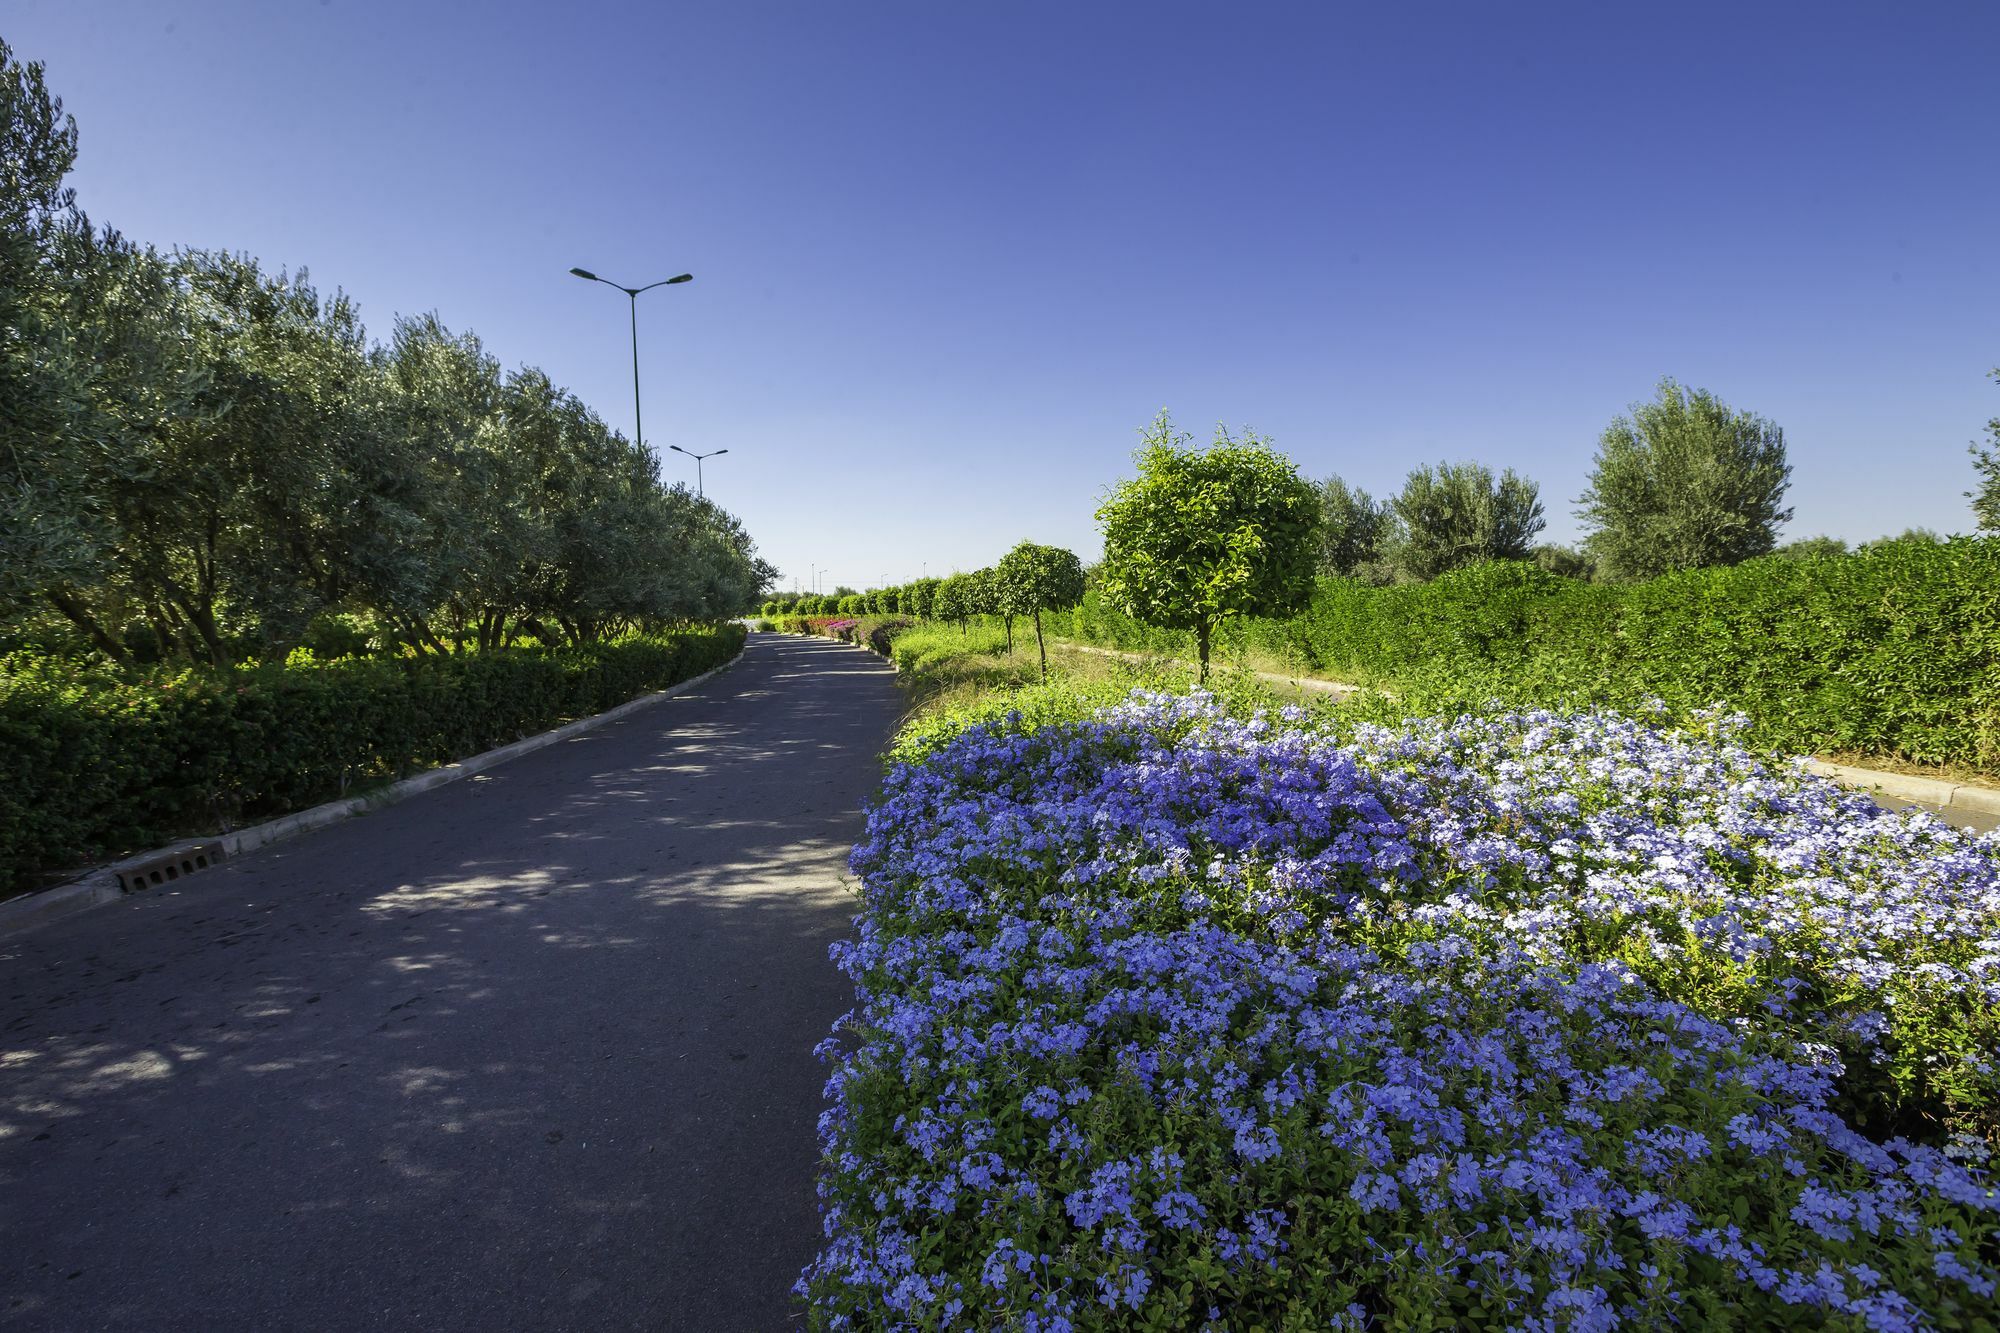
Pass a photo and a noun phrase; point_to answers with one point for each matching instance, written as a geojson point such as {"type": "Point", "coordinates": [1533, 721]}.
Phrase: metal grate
{"type": "Point", "coordinates": [169, 867]}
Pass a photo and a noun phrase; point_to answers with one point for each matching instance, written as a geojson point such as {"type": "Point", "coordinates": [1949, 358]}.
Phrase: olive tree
{"type": "Point", "coordinates": [1353, 527]}
{"type": "Point", "coordinates": [1460, 513]}
{"type": "Point", "coordinates": [1685, 482]}
{"type": "Point", "coordinates": [1986, 460]}
{"type": "Point", "coordinates": [1204, 534]}
{"type": "Point", "coordinates": [1031, 579]}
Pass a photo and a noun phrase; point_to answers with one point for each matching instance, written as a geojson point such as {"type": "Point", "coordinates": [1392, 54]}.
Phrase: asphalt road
{"type": "Point", "coordinates": [533, 1050]}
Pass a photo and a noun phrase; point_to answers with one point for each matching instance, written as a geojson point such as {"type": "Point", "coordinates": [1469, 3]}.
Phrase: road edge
{"type": "Point", "coordinates": [31, 911]}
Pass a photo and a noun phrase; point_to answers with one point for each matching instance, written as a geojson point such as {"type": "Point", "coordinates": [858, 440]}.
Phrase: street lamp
{"type": "Point", "coordinates": [698, 490]}
{"type": "Point", "coordinates": [638, 430]}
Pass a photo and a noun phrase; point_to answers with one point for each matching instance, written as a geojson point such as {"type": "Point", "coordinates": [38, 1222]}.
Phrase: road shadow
{"type": "Point", "coordinates": [532, 1049]}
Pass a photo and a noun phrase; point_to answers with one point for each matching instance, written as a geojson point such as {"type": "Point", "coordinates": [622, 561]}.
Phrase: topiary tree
{"type": "Point", "coordinates": [1986, 461]}
{"type": "Point", "coordinates": [917, 597]}
{"type": "Point", "coordinates": [1353, 527]}
{"type": "Point", "coordinates": [1204, 534]}
{"type": "Point", "coordinates": [986, 599]}
{"type": "Point", "coordinates": [1031, 579]}
{"type": "Point", "coordinates": [953, 600]}
{"type": "Point", "coordinates": [1684, 483]}
{"type": "Point", "coordinates": [1458, 514]}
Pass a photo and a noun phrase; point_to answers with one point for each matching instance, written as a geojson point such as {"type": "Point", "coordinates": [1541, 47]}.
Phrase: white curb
{"type": "Point", "coordinates": [1940, 792]}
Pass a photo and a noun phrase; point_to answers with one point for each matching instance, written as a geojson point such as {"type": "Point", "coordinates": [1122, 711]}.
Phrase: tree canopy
{"type": "Point", "coordinates": [1460, 513]}
{"type": "Point", "coordinates": [1986, 461]}
{"type": "Point", "coordinates": [1354, 527]}
{"type": "Point", "coordinates": [199, 458]}
{"type": "Point", "coordinates": [1031, 579]}
{"type": "Point", "coordinates": [1685, 482]}
{"type": "Point", "coordinates": [1203, 534]}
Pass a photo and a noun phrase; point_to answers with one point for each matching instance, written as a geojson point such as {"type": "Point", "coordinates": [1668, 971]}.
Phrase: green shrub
{"type": "Point", "coordinates": [1892, 650]}
{"type": "Point", "coordinates": [92, 767]}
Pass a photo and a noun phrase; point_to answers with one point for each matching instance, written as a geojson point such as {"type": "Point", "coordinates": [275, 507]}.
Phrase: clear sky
{"type": "Point", "coordinates": [950, 257]}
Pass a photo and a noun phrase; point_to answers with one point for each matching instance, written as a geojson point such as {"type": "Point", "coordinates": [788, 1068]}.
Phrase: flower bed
{"type": "Point", "coordinates": [1173, 1020]}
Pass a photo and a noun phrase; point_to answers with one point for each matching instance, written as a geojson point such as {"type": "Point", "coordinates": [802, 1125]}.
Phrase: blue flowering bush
{"type": "Point", "coordinates": [1179, 1017]}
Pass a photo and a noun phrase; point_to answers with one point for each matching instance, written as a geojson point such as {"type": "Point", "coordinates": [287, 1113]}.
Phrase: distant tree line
{"type": "Point", "coordinates": [204, 461]}
{"type": "Point", "coordinates": [1684, 482]}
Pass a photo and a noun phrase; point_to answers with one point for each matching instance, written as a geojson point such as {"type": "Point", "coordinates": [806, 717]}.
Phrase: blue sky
{"type": "Point", "coordinates": [950, 257]}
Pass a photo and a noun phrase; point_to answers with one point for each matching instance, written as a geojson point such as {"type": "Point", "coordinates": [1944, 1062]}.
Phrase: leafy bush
{"type": "Point", "coordinates": [1169, 1020]}
{"type": "Point", "coordinates": [916, 650]}
{"type": "Point", "coordinates": [94, 767]}
{"type": "Point", "coordinates": [1892, 650]}
{"type": "Point", "coordinates": [882, 636]}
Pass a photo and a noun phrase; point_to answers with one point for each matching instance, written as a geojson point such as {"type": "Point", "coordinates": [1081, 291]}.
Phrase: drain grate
{"type": "Point", "coordinates": [172, 866]}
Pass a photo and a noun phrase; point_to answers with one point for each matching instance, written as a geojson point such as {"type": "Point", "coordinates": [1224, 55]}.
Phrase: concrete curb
{"type": "Point", "coordinates": [101, 886]}
{"type": "Point", "coordinates": [1940, 792]}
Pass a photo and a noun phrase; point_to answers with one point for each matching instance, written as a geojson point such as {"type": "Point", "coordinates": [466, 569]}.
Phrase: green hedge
{"type": "Point", "coordinates": [1891, 651]}
{"type": "Point", "coordinates": [92, 768]}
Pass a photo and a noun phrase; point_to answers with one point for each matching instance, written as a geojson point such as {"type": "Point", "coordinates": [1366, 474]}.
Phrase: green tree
{"type": "Point", "coordinates": [917, 597]}
{"type": "Point", "coordinates": [1031, 579]}
{"type": "Point", "coordinates": [1353, 527]}
{"type": "Point", "coordinates": [1203, 534]}
{"type": "Point", "coordinates": [54, 537]}
{"type": "Point", "coordinates": [1564, 560]}
{"type": "Point", "coordinates": [1683, 483]}
{"type": "Point", "coordinates": [1986, 461]}
{"type": "Point", "coordinates": [953, 600]}
{"type": "Point", "coordinates": [1460, 513]}
{"type": "Point", "coordinates": [1811, 548]}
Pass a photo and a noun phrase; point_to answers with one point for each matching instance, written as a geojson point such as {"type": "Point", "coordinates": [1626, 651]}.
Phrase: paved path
{"type": "Point", "coordinates": [530, 1051]}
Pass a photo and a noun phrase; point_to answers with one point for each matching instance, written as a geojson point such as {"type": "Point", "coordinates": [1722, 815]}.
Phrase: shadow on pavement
{"type": "Point", "coordinates": [530, 1050]}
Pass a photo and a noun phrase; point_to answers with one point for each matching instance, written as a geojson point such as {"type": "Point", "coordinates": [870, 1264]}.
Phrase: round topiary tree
{"type": "Point", "coordinates": [1031, 579]}
{"type": "Point", "coordinates": [953, 600]}
{"type": "Point", "coordinates": [985, 599]}
{"type": "Point", "coordinates": [1204, 534]}
{"type": "Point", "coordinates": [917, 597]}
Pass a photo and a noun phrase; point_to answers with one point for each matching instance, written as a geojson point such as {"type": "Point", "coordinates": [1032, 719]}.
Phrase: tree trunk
{"type": "Point", "coordinates": [80, 616]}
{"type": "Point", "coordinates": [1201, 633]}
{"type": "Point", "coordinates": [1010, 635]}
{"type": "Point", "coordinates": [1043, 647]}
{"type": "Point", "coordinates": [196, 607]}
{"type": "Point", "coordinates": [437, 644]}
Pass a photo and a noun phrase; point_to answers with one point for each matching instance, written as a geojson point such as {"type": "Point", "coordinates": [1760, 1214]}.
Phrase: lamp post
{"type": "Point", "coordinates": [638, 428]}
{"type": "Point", "coordinates": [698, 488]}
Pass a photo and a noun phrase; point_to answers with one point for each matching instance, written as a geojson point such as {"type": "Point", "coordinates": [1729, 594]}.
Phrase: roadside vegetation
{"type": "Point", "coordinates": [251, 558]}
{"type": "Point", "coordinates": [1174, 1012]}
{"type": "Point", "coordinates": [1528, 989]}
{"type": "Point", "coordinates": [1681, 593]}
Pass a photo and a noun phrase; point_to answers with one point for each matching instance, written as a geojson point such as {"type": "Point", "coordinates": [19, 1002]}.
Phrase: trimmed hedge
{"type": "Point", "coordinates": [1892, 651]}
{"type": "Point", "coordinates": [92, 768]}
